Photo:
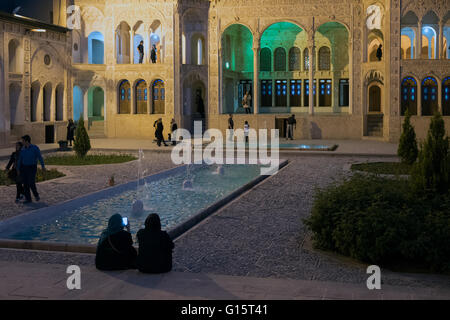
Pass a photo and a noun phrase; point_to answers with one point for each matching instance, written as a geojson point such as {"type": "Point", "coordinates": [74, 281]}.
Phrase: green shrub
{"type": "Point", "coordinates": [82, 143]}
{"type": "Point", "coordinates": [432, 172]}
{"type": "Point", "coordinates": [380, 221]}
{"type": "Point", "coordinates": [407, 148]}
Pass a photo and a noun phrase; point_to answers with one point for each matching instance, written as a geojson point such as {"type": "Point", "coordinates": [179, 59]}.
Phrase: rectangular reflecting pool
{"type": "Point", "coordinates": [177, 195]}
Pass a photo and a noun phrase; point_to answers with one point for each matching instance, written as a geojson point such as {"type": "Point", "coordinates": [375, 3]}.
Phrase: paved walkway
{"type": "Point", "coordinates": [43, 281]}
{"type": "Point", "coordinates": [346, 147]}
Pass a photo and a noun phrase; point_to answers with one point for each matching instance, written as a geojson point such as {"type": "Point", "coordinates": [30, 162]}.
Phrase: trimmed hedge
{"type": "Point", "coordinates": [380, 221]}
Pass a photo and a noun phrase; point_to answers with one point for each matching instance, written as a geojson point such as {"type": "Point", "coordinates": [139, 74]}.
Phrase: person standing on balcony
{"type": "Point", "coordinates": [379, 52]}
{"type": "Point", "coordinates": [141, 51]}
{"type": "Point", "coordinates": [153, 54]}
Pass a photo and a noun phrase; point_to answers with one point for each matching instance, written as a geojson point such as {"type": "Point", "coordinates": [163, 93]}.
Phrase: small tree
{"type": "Point", "coordinates": [407, 148]}
{"type": "Point", "coordinates": [433, 168]}
{"type": "Point", "coordinates": [82, 143]}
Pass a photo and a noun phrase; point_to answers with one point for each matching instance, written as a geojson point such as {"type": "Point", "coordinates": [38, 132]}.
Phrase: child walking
{"type": "Point", "coordinates": [246, 130]}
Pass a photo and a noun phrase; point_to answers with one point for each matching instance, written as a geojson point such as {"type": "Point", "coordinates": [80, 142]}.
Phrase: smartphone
{"type": "Point", "coordinates": [125, 221]}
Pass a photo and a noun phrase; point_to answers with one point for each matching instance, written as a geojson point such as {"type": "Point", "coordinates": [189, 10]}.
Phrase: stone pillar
{"type": "Point", "coordinates": [419, 42]}
{"type": "Point", "coordinates": [131, 46]}
{"type": "Point", "coordinates": [311, 78]}
{"type": "Point", "coordinates": [53, 104]}
{"type": "Point", "coordinates": [85, 106]}
{"type": "Point", "coordinates": [255, 94]}
{"type": "Point", "coordinates": [133, 98]}
{"type": "Point", "coordinates": [147, 47]}
{"type": "Point", "coordinates": [419, 98]}
{"type": "Point", "coordinates": [40, 105]}
{"type": "Point", "coordinates": [220, 82]}
{"type": "Point", "coordinates": [441, 51]}
{"type": "Point", "coordinates": [439, 94]}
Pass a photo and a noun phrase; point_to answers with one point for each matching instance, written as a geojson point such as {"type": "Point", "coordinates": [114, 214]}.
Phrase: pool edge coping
{"type": "Point", "coordinates": [174, 233]}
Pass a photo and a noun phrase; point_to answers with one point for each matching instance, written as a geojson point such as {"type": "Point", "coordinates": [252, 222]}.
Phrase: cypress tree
{"type": "Point", "coordinates": [407, 147]}
{"type": "Point", "coordinates": [82, 143]}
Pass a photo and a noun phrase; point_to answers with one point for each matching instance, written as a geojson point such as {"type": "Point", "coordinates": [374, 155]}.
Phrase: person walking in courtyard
{"type": "Point", "coordinates": [159, 133]}
{"type": "Point", "coordinates": [246, 103]}
{"type": "Point", "coordinates": [11, 167]}
{"type": "Point", "coordinates": [231, 127]}
{"type": "Point", "coordinates": [27, 165]}
{"type": "Point", "coordinates": [155, 247]}
{"type": "Point", "coordinates": [246, 130]}
{"type": "Point", "coordinates": [153, 54]}
{"type": "Point", "coordinates": [70, 131]}
{"type": "Point", "coordinates": [291, 125]}
{"type": "Point", "coordinates": [173, 128]}
{"type": "Point", "coordinates": [115, 249]}
{"type": "Point", "coordinates": [379, 52]}
{"type": "Point", "coordinates": [141, 51]}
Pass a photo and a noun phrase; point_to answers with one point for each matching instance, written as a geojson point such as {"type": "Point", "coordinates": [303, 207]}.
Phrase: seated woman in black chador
{"type": "Point", "coordinates": [155, 247]}
{"type": "Point", "coordinates": [115, 249]}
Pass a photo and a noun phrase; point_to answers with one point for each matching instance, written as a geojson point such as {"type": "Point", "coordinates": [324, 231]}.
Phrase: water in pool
{"type": "Point", "coordinates": [168, 196]}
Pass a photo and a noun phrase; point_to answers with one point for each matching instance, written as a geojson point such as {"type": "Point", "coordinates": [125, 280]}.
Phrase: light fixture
{"type": "Point", "coordinates": [227, 65]}
{"type": "Point", "coordinates": [38, 30]}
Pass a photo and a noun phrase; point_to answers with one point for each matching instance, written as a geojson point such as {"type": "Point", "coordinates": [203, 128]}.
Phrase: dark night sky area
{"type": "Point", "coordinates": [37, 9]}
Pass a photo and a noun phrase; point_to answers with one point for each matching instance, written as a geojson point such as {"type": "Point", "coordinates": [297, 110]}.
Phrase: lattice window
{"type": "Point", "coordinates": [324, 58]}
{"type": "Point", "coordinates": [280, 59]}
{"type": "Point", "coordinates": [294, 59]}
{"type": "Point", "coordinates": [265, 60]}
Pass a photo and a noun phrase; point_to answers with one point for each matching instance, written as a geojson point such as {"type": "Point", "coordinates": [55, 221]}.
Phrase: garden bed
{"type": "Point", "coordinates": [391, 168]}
{"type": "Point", "coordinates": [40, 176]}
{"type": "Point", "coordinates": [94, 159]}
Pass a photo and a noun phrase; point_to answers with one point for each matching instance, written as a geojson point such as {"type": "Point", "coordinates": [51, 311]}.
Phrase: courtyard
{"type": "Point", "coordinates": [255, 247]}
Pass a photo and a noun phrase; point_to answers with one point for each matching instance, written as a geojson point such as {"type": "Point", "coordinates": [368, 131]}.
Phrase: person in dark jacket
{"type": "Point", "coordinates": [141, 51]}
{"type": "Point", "coordinates": [11, 167]}
{"type": "Point", "coordinates": [115, 249]}
{"type": "Point", "coordinates": [70, 131]}
{"type": "Point", "coordinates": [379, 52]}
{"type": "Point", "coordinates": [155, 247]}
{"type": "Point", "coordinates": [30, 154]}
{"type": "Point", "coordinates": [173, 128]}
{"type": "Point", "coordinates": [153, 54]}
{"type": "Point", "coordinates": [200, 104]}
{"type": "Point", "coordinates": [159, 133]}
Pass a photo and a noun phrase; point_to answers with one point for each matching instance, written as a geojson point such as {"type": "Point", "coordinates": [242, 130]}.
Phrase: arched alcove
{"type": "Point", "coordinates": [96, 48]}
{"type": "Point", "coordinates": [59, 102]}
{"type": "Point", "coordinates": [78, 103]}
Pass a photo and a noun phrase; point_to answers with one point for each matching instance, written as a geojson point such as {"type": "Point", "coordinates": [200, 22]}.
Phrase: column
{"type": "Point", "coordinates": [311, 78]}
{"type": "Point", "coordinates": [419, 42]}
{"type": "Point", "coordinates": [419, 98]}
{"type": "Point", "coordinates": [40, 105]}
{"type": "Point", "coordinates": [133, 98]}
{"type": "Point", "coordinates": [85, 106]}
{"type": "Point", "coordinates": [441, 41]}
{"type": "Point", "coordinates": [53, 104]}
{"type": "Point", "coordinates": [132, 46]}
{"type": "Point", "coordinates": [220, 82]}
{"type": "Point", "coordinates": [255, 95]}
{"type": "Point", "coordinates": [147, 47]}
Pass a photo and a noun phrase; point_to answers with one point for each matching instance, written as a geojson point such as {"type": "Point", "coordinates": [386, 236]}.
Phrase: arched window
{"type": "Point", "coordinates": [429, 96]}
{"type": "Point", "coordinates": [158, 97]}
{"type": "Point", "coordinates": [324, 58]}
{"type": "Point", "coordinates": [265, 59]}
{"type": "Point", "coordinates": [446, 97]}
{"type": "Point", "coordinates": [141, 97]}
{"type": "Point", "coordinates": [409, 96]}
{"type": "Point", "coordinates": [124, 97]}
{"type": "Point", "coordinates": [306, 59]}
{"type": "Point", "coordinates": [199, 51]}
{"type": "Point", "coordinates": [96, 48]}
{"type": "Point", "coordinates": [294, 59]}
{"type": "Point", "coordinates": [280, 59]}
{"type": "Point", "coordinates": [183, 48]}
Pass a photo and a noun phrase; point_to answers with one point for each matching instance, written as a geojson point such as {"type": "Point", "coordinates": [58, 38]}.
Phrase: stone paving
{"type": "Point", "coordinates": [260, 234]}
